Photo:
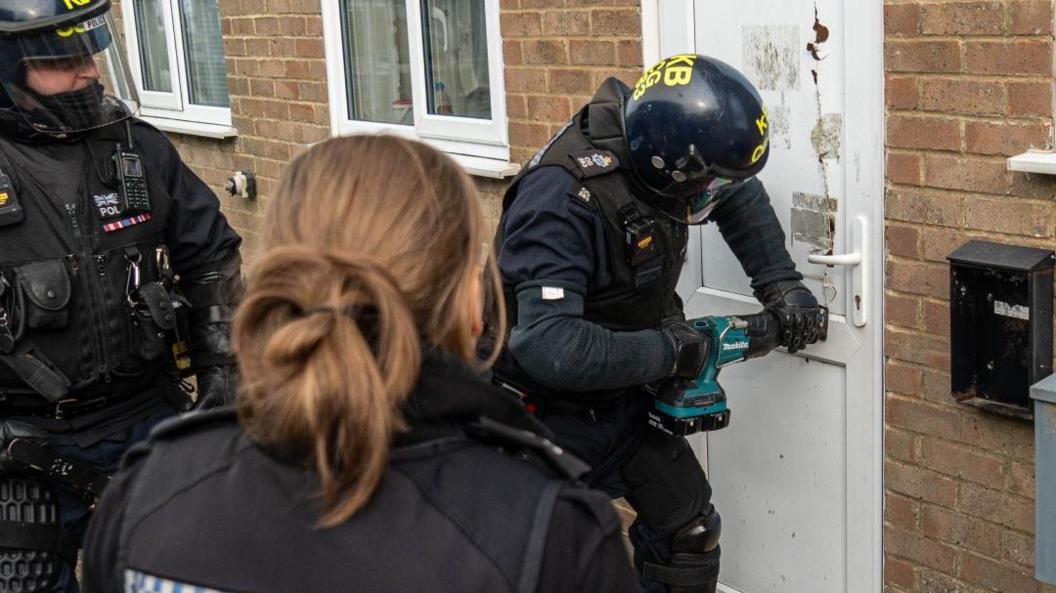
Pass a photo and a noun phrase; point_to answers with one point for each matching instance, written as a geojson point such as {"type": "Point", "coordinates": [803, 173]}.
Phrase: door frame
{"type": "Point", "coordinates": [863, 140]}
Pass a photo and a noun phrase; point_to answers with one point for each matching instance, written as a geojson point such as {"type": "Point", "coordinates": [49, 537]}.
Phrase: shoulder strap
{"type": "Point", "coordinates": [533, 556]}
{"type": "Point", "coordinates": [564, 463]}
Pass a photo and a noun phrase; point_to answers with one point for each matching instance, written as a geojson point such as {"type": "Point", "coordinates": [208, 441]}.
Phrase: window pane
{"type": "Point", "coordinates": [153, 47]}
{"type": "Point", "coordinates": [377, 65]}
{"type": "Point", "coordinates": [204, 48]}
{"type": "Point", "coordinates": [456, 43]}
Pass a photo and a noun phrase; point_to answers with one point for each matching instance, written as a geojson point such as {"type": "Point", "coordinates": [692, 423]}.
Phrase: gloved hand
{"type": "Point", "coordinates": [216, 387]}
{"type": "Point", "coordinates": [690, 348]}
{"type": "Point", "coordinates": [15, 429]}
{"type": "Point", "coordinates": [798, 312]}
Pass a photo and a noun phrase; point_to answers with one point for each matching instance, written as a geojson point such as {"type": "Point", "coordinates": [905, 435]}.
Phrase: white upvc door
{"type": "Point", "coordinates": [797, 475]}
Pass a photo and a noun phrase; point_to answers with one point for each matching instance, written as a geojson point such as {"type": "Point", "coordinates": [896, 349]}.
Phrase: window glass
{"type": "Point", "coordinates": [456, 47]}
{"type": "Point", "coordinates": [377, 63]}
{"type": "Point", "coordinates": [204, 49]}
{"type": "Point", "coordinates": [153, 46]}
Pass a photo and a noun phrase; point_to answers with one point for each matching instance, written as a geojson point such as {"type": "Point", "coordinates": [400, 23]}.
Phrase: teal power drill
{"type": "Point", "coordinates": [684, 407]}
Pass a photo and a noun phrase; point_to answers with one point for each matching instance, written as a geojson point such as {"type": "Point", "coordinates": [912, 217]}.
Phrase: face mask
{"type": "Point", "coordinates": [76, 110]}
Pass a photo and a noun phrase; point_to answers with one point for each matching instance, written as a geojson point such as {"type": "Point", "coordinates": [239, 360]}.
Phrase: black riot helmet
{"type": "Point", "coordinates": [61, 68]}
{"type": "Point", "coordinates": [693, 124]}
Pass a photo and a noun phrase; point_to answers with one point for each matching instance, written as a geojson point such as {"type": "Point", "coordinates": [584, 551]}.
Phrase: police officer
{"type": "Point", "coordinates": [117, 269]}
{"type": "Point", "coordinates": [590, 245]}
{"type": "Point", "coordinates": [367, 453]}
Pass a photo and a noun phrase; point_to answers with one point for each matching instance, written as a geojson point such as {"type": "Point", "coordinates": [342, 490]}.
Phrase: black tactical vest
{"type": "Point", "coordinates": [646, 249]}
{"type": "Point", "coordinates": [67, 269]}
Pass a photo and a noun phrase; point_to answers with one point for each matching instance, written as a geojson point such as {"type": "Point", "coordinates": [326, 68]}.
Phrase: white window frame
{"type": "Point", "coordinates": [173, 111]}
{"type": "Point", "coordinates": [481, 146]}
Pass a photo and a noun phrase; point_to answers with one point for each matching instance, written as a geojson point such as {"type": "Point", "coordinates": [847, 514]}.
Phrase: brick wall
{"type": "Point", "coordinates": [557, 52]}
{"type": "Point", "coordinates": [968, 84]}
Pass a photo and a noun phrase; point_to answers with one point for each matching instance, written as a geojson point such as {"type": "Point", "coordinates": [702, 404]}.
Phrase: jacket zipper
{"type": "Point", "coordinates": [100, 357]}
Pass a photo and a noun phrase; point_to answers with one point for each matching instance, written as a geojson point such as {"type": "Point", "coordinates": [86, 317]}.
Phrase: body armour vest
{"type": "Point", "coordinates": [646, 249]}
{"type": "Point", "coordinates": [68, 268]}
{"type": "Point", "coordinates": [211, 508]}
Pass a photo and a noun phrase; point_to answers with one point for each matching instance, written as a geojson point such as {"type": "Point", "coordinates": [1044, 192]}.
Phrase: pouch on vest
{"type": "Point", "coordinates": [43, 294]}
{"type": "Point", "coordinates": [154, 319]}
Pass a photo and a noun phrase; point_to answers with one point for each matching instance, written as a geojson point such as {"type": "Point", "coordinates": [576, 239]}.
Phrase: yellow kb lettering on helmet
{"type": "Point", "coordinates": [674, 71]}
{"type": "Point", "coordinates": [72, 4]}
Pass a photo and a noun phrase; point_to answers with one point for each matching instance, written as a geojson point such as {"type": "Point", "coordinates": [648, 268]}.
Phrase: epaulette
{"type": "Point", "coordinates": [593, 162]}
{"type": "Point", "coordinates": [190, 422]}
{"type": "Point", "coordinates": [564, 463]}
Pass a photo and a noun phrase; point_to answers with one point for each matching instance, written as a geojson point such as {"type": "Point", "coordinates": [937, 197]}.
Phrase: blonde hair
{"type": "Point", "coordinates": [371, 244]}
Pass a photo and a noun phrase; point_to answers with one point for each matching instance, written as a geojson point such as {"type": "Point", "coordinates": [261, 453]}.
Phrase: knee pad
{"type": "Point", "coordinates": [33, 544]}
{"type": "Point", "coordinates": [699, 536]}
{"type": "Point", "coordinates": [693, 566]}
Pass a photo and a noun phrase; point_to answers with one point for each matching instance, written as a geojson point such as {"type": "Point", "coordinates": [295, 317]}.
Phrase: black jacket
{"type": "Point", "coordinates": [460, 509]}
{"type": "Point", "coordinates": [67, 264]}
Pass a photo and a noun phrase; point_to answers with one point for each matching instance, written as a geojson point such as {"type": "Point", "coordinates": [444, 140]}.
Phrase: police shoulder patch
{"type": "Point", "coordinates": [594, 162]}
{"type": "Point", "coordinates": [581, 193]}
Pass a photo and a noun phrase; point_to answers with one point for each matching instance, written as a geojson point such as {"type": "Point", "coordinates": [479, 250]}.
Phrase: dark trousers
{"type": "Point", "coordinates": [101, 444]}
{"type": "Point", "coordinates": [656, 473]}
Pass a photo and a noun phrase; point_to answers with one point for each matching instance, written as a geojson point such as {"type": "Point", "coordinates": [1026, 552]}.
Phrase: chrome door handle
{"type": "Point", "coordinates": [859, 261]}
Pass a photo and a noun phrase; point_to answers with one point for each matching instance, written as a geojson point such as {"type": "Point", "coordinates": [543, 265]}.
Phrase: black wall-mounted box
{"type": "Point", "coordinates": [1000, 324]}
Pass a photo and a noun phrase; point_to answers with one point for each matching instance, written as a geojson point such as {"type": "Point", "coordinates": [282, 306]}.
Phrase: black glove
{"type": "Point", "coordinates": [802, 319]}
{"type": "Point", "coordinates": [216, 387]}
{"type": "Point", "coordinates": [690, 348]}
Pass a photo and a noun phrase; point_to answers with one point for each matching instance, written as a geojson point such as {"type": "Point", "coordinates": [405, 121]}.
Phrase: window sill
{"type": "Point", "coordinates": [482, 167]}
{"type": "Point", "coordinates": [1034, 161]}
{"type": "Point", "coordinates": [191, 128]}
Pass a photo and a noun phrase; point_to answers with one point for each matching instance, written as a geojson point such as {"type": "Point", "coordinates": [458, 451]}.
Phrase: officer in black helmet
{"type": "Point", "coordinates": [590, 245]}
{"type": "Point", "coordinates": [118, 274]}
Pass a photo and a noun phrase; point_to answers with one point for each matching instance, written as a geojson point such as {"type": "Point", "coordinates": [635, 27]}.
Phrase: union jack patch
{"type": "Point", "coordinates": [125, 222]}
{"type": "Point", "coordinates": [138, 582]}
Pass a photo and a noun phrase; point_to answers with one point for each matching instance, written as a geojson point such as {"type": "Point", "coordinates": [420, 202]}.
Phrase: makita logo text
{"type": "Point", "coordinates": [735, 345]}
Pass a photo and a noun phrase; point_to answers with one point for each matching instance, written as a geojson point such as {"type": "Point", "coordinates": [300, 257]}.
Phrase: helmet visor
{"type": "Point", "coordinates": [72, 79]}
{"type": "Point", "coordinates": [694, 209]}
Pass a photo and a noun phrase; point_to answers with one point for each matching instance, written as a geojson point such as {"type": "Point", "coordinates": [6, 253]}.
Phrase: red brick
{"type": "Point", "coordinates": [998, 507]}
{"type": "Point", "coordinates": [900, 511]}
{"type": "Point", "coordinates": [936, 388]}
{"type": "Point", "coordinates": [922, 56]}
{"type": "Point", "coordinates": [902, 345]}
{"type": "Point", "coordinates": [593, 53]}
{"type": "Point", "coordinates": [1009, 57]}
{"type": "Point", "coordinates": [629, 53]}
{"type": "Point", "coordinates": [937, 317]}
{"type": "Point", "coordinates": [531, 135]}
{"type": "Point", "coordinates": [899, 572]}
{"type": "Point", "coordinates": [963, 96]}
{"type": "Point", "coordinates": [925, 279]}
{"type": "Point", "coordinates": [961, 530]}
{"type": "Point", "coordinates": [569, 82]}
{"type": "Point", "coordinates": [996, 575]}
{"type": "Point", "coordinates": [901, 91]}
{"type": "Point", "coordinates": [520, 24]}
{"type": "Point", "coordinates": [899, 445]}
{"type": "Point", "coordinates": [964, 18]}
{"type": "Point", "coordinates": [928, 207]}
{"type": "Point", "coordinates": [542, 3]}
{"type": "Point", "coordinates": [939, 242]}
{"type": "Point", "coordinates": [920, 550]}
{"type": "Point", "coordinates": [616, 23]}
{"type": "Point", "coordinates": [1026, 218]}
{"type": "Point", "coordinates": [902, 19]}
{"type": "Point", "coordinates": [932, 133]}
{"type": "Point", "coordinates": [904, 168]}
{"type": "Point", "coordinates": [511, 53]}
{"type": "Point", "coordinates": [545, 51]}
{"type": "Point", "coordinates": [516, 106]}
{"type": "Point", "coordinates": [966, 174]}
{"type": "Point", "coordinates": [308, 48]}
{"type": "Point", "coordinates": [603, 2]}
{"type": "Point", "coordinates": [902, 310]}
{"type": "Point", "coordinates": [1030, 98]}
{"type": "Point", "coordinates": [1020, 479]}
{"type": "Point", "coordinates": [903, 240]}
{"type": "Point", "coordinates": [936, 352]}
{"type": "Point", "coordinates": [549, 109]}
{"type": "Point", "coordinates": [1018, 548]}
{"type": "Point", "coordinates": [918, 416]}
{"type": "Point", "coordinates": [1005, 138]}
{"type": "Point", "coordinates": [525, 80]}
{"type": "Point", "coordinates": [961, 462]}
{"type": "Point", "coordinates": [902, 378]}
{"type": "Point", "coordinates": [566, 22]}
{"type": "Point", "coordinates": [1033, 185]}
{"type": "Point", "coordinates": [1030, 17]}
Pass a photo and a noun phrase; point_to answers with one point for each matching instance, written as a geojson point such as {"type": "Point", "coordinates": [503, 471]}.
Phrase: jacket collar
{"type": "Point", "coordinates": [450, 395]}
